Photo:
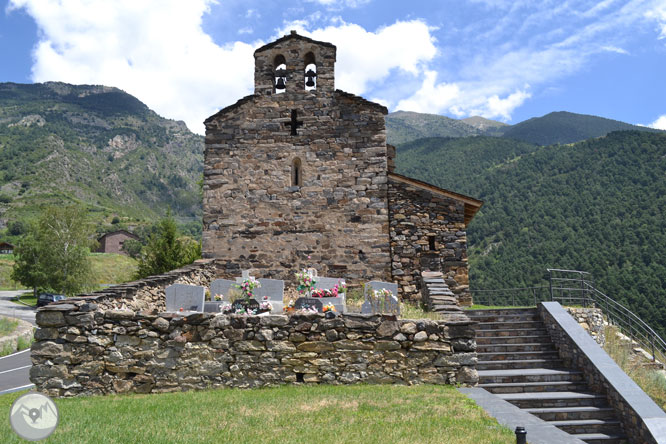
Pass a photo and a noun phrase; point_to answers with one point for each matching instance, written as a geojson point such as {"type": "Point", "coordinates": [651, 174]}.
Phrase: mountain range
{"type": "Point", "coordinates": [96, 146]}
{"type": "Point", "coordinates": [554, 128]}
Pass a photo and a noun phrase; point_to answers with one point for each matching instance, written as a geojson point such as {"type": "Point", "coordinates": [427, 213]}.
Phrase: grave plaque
{"type": "Point", "coordinates": [309, 303]}
{"type": "Point", "coordinates": [181, 297]}
{"type": "Point", "coordinates": [244, 305]}
{"type": "Point", "coordinates": [213, 307]}
{"type": "Point", "coordinates": [327, 283]}
{"type": "Point", "coordinates": [383, 305]}
{"type": "Point", "coordinates": [273, 289]}
{"type": "Point", "coordinates": [221, 286]}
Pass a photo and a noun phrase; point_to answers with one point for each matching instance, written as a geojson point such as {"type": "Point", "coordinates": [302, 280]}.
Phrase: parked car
{"type": "Point", "coordinates": [47, 298]}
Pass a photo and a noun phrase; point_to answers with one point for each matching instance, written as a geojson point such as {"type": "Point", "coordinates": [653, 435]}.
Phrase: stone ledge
{"type": "Point", "coordinates": [538, 431]}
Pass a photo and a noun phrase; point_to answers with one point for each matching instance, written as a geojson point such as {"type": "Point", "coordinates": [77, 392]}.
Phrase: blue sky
{"type": "Point", "coordinates": [507, 60]}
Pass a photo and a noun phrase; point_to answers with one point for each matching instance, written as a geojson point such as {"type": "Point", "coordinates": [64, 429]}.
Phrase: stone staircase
{"type": "Point", "coordinates": [436, 295]}
{"type": "Point", "coordinates": [519, 363]}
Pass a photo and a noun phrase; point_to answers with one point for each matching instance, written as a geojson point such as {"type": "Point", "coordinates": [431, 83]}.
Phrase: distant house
{"type": "Point", "coordinates": [113, 242]}
{"type": "Point", "coordinates": [6, 248]}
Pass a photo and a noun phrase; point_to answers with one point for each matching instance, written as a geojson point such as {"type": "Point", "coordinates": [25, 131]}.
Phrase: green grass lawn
{"type": "Point", "coordinates": [6, 264]}
{"type": "Point", "coordinates": [112, 268]}
{"type": "Point", "coordinates": [365, 414]}
{"type": "Point", "coordinates": [107, 269]}
{"type": "Point", "coordinates": [650, 378]}
{"type": "Point", "coordinates": [7, 326]}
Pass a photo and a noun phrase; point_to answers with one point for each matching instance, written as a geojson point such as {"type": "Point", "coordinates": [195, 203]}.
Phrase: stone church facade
{"type": "Point", "coordinates": [299, 174]}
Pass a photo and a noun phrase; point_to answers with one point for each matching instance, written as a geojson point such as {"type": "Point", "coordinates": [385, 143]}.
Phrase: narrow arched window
{"type": "Point", "coordinates": [310, 72]}
{"type": "Point", "coordinates": [279, 74]}
{"type": "Point", "coordinates": [296, 173]}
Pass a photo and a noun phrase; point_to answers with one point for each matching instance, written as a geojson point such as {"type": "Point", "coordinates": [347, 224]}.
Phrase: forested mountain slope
{"type": "Point", "coordinates": [564, 127]}
{"type": "Point", "coordinates": [405, 126]}
{"type": "Point", "coordinates": [597, 205]}
{"type": "Point", "coordinates": [94, 145]}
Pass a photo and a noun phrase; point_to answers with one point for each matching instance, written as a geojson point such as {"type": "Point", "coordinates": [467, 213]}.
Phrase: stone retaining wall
{"type": "Point", "coordinates": [148, 294]}
{"type": "Point", "coordinates": [592, 321]}
{"type": "Point", "coordinates": [80, 350]}
{"type": "Point", "coordinates": [642, 419]}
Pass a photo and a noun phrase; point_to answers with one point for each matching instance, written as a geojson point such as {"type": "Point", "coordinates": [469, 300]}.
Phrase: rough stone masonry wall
{"type": "Point", "coordinates": [146, 294]}
{"type": "Point", "coordinates": [83, 351]}
{"type": "Point", "coordinates": [255, 218]}
{"type": "Point", "coordinates": [592, 321]}
{"type": "Point", "coordinates": [415, 216]}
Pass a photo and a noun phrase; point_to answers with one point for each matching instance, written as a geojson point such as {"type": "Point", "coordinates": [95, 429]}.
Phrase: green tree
{"type": "Point", "coordinates": [133, 248]}
{"type": "Point", "coordinates": [55, 253]}
{"type": "Point", "coordinates": [167, 250]}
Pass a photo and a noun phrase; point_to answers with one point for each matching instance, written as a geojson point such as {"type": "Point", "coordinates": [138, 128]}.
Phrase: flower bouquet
{"type": "Point", "coordinates": [289, 308]}
{"type": "Point", "coordinates": [382, 293]}
{"type": "Point", "coordinates": [305, 281]}
{"type": "Point", "coordinates": [247, 287]}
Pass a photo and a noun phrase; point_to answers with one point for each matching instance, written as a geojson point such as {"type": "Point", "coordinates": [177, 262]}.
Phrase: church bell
{"type": "Point", "coordinates": [310, 81]}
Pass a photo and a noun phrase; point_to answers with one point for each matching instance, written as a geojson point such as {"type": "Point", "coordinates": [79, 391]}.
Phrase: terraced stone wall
{"type": "Point", "coordinates": [84, 351]}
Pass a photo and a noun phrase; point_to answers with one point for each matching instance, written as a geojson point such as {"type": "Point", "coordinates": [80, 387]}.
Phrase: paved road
{"type": "Point", "coordinates": [9, 308]}
{"type": "Point", "coordinates": [15, 369]}
{"type": "Point", "coordinates": [14, 372]}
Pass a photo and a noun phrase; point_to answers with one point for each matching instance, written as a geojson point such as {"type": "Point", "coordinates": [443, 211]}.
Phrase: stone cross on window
{"type": "Point", "coordinates": [295, 123]}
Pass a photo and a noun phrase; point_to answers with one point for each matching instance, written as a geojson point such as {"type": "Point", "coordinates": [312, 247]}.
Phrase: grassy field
{"type": "Point", "coordinates": [651, 380]}
{"type": "Point", "coordinates": [6, 264]}
{"type": "Point", "coordinates": [112, 268]}
{"type": "Point", "coordinates": [107, 269]}
{"type": "Point", "coordinates": [7, 326]}
{"type": "Point", "coordinates": [285, 415]}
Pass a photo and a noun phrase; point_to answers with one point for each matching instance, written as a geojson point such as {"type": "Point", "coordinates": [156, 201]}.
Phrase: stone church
{"type": "Point", "coordinates": [299, 174]}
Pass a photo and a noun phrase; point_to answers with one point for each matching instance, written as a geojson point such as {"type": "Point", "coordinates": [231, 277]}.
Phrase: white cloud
{"type": "Point", "coordinates": [339, 4]}
{"type": "Point", "coordinates": [535, 44]}
{"type": "Point", "coordinates": [365, 57]}
{"type": "Point", "coordinates": [660, 123]}
{"type": "Point", "coordinates": [658, 14]}
{"type": "Point", "coordinates": [615, 49]}
{"type": "Point", "coordinates": [464, 99]}
{"type": "Point", "coordinates": [155, 50]}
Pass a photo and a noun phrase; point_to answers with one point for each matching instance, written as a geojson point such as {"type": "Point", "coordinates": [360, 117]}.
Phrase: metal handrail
{"type": "Point", "coordinates": [560, 289]}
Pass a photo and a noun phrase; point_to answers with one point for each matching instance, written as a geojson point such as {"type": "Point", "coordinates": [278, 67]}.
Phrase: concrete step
{"type": "Point", "coordinates": [602, 438]}
{"type": "Point", "coordinates": [576, 427]}
{"type": "Point", "coordinates": [569, 413]}
{"type": "Point", "coordinates": [511, 325]}
{"type": "Point", "coordinates": [515, 348]}
{"type": "Point", "coordinates": [533, 387]}
{"type": "Point", "coordinates": [554, 399]}
{"type": "Point", "coordinates": [519, 364]}
{"type": "Point", "coordinates": [502, 311]}
{"type": "Point", "coordinates": [518, 356]}
{"type": "Point", "coordinates": [505, 318]}
{"type": "Point", "coordinates": [528, 375]}
{"type": "Point", "coordinates": [485, 333]}
{"type": "Point", "coordinates": [487, 340]}
{"type": "Point", "coordinates": [450, 308]}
